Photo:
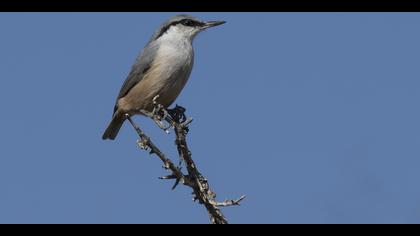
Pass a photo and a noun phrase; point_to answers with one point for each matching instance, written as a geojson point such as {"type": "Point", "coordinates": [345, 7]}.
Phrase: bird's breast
{"type": "Point", "coordinates": [174, 59]}
{"type": "Point", "coordinates": [173, 65]}
{"type": "Point", "coordinates": [166, 77]}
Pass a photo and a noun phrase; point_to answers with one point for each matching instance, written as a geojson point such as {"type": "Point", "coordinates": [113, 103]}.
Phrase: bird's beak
{"type": "Point", "coordinates": [209, 24]}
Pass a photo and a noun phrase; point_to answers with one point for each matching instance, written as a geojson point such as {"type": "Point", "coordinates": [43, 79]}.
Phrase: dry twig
{"type": "Point", "coordinates": [193, 179]}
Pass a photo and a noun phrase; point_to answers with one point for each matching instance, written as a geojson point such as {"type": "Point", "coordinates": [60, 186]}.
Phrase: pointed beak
{"type": "Point", "coordinates": [209, 24]}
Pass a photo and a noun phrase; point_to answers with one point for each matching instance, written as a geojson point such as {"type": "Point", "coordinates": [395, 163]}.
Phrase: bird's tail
{"type": "Point", "coordinates": [113, 127]}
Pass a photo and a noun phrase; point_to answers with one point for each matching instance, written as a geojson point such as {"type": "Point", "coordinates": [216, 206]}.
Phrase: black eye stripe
{"type": "Point", "coordinates": [186, 22]}
{"type": "Point", "coordinates": [189, 22]}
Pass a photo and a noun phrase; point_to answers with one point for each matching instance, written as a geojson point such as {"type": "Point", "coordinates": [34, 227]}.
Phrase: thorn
{"type": "Point", "coordinates": [176, 183]}
{"type": "Point", "coordinates": [168, 177]}
{"type": "Point", "coordinates": [240, 199]}
{"type": "Point", "coordinates": [181, 161]}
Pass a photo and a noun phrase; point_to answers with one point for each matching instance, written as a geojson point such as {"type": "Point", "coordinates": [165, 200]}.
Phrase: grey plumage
{"type": "Point", "coordinates": [145, 58]}
{"type": "Point", "coordinates": [161, 69]}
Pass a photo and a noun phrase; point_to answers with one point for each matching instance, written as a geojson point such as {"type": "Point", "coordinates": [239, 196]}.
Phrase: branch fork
{"type": "Point", "coordinates": [176, 119]}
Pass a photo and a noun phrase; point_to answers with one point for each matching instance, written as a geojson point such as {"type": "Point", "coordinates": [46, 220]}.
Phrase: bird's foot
{"type": "Point", "coordinates": [160, 114]}
{"type": "Point", "coordinates": [177, 114]}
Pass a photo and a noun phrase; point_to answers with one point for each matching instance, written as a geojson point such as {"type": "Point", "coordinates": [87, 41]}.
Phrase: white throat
{"type": "Point", "coordinates": [179, 35]}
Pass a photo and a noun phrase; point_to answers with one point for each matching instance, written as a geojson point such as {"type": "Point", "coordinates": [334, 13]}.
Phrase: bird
{"type": "Point", "coordinates": [160, 71]}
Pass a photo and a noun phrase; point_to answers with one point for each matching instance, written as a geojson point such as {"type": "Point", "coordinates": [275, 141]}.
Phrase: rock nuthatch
{"type": "Point", "coordinates": [161, 69]}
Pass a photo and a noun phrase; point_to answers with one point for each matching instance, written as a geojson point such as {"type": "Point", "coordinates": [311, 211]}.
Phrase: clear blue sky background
{"type": "Point", "coordinates": [314, 116]}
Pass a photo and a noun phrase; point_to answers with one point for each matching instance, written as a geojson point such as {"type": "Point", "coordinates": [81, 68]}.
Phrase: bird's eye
{"type": "Point", "coordinates": [188, 23]}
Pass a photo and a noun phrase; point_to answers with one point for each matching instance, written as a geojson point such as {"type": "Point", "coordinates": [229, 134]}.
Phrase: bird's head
{"type": "Point", "coordinates": [184, 26]}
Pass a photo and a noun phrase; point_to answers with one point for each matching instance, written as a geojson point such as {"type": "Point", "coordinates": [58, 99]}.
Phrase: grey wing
{"type": "Point", "coordinates": [140, 67]}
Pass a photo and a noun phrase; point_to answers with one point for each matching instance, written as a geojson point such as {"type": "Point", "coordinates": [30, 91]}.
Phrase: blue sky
{"type": "Point", "coordinates": [314, 116]}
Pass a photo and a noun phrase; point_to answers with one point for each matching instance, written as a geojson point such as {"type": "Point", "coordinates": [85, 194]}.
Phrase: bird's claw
{"type": "Point", "coordinates": [160, 114]}
{"type": "Point", "coordinates": [178, 114]}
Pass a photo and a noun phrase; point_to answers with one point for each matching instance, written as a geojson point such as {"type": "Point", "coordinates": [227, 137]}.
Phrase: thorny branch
{"type": "Point", "coordinates": [193, 179]}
